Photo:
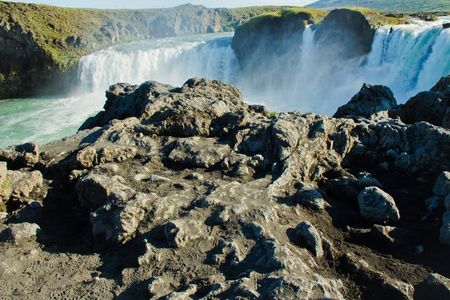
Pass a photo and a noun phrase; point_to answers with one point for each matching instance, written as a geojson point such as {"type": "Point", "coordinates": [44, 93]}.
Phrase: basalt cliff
{"type": "Point", "coordinates": [190, 193]}
{"type": "Point", "coordinates": [40, 45]}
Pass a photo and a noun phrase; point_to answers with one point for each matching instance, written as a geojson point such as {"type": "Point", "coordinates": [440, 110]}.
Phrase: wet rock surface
{"type": "Point", "coordinates": [189, 193]}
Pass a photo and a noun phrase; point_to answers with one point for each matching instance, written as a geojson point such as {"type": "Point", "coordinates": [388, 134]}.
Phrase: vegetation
{"type": "Point", "coordinates": [387, 5]}
{"type": "Point", "coordinates": [377, 19]}
{"type": "Point", "coordinates": [310, 14]}
{"type": "Point", "coordinates": [231, 18]}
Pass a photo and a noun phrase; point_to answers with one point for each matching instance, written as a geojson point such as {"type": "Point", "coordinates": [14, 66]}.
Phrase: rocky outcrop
{"type": "Point", "coordinates": [190, 192]}
{"type": "Point", "coordinates": [431, 106]}
{"type": "Point", "coordinates": [267, 36]}
{"type": "Point", "coordinates": [370, 102]}
{"type": "Point", "coordinates": [344, 34]}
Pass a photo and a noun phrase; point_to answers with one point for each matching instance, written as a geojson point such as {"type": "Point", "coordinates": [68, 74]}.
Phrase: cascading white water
{"type": "Point", "coordinates": [407, 58]}
{"type": "Point", "coordinates": [170, 60]}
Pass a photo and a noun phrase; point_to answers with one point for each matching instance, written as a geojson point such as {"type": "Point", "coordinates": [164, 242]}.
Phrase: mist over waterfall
{"type": "Point", "coordinates": [168, 60]}
{"type": "Point", "coordinates": [406, 58]}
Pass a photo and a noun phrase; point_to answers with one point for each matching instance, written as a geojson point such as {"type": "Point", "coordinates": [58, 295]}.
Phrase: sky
{"type": "Point", "coordinates": [139, 4]}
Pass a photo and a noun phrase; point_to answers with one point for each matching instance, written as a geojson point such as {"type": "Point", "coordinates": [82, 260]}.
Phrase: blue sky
{"type": "Point", "coordinates": [137, 4]}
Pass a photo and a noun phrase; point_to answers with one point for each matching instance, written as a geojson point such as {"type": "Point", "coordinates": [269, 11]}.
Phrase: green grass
{"type": "Point", "coordinates": [387, 5]}
{"type": "Point", "coordinates": [312, 15]}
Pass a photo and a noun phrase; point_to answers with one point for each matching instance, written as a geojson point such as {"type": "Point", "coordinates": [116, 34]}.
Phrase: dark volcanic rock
{"type": "Point", "coordinates": [190, 192]}
{"type": "Point", "coordinates": [344, 34]}
{"type": "Point", "coordinates": [369, 102]}
{"type": "Point", "coordinates": [431, 106]}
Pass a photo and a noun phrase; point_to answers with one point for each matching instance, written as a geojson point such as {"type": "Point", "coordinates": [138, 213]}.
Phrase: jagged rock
{"type": "Point", "coordinates": [311, 198]}
{"type": "Point", "coordinates": [199, 152]}
{"type": "Point", "coordinates": [94, 189]}
{"type": "Point", "coordinates": [296, 287]}
{"type": "Point", "coordinates": [151, 253]}
{"type": "Point", "coordinates": [309, 233]}
{"type": "Point", "coordinates": [180, 232]}
{"type": "Point", "coordinates": [221, 226]}
{"type": "Point", "coordinates": [430, 106]}
{"type": "Point", "coordinates": [20, 185]}
{"type": "Point", "coordinates": [403, 161]}
{"type": "Point", "coordinates": [273, 255]}
{"type": "Point", "coordinates": [378, 206]}
{"type": "Point", "coordinates": [18, 232]}
{"type": "Point", "coordinates": [96, 155]}
{"type": "Point", "coordinates": [199, 107]}
{"type": "Point", "coordinates": [370, 102]}
{"type": "Point", "coordinates": [443, 85]}
{"type": "Point", "coordinates": [118, 218]}
{"type": "Point", "coordinates": [25, 155]}
{"type": "Point", "coordinates": [229, 254]}
{"type": "Point", "coordinates": [442, 185]}
{"type": "Point", "coordinates": [158, 287]}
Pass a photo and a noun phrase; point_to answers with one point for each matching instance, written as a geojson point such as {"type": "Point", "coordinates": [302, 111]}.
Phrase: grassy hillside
{"type": "Point", "coordinates": [310, 15]}
{"type": "Point", "coordinates": [231, 18]}
{"type": "Point", "coordinates": [40, 43]}
{"type": "Point", "coordinates": [387, 5]}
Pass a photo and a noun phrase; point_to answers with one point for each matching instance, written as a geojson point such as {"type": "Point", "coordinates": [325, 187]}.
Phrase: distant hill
{"type": "Point", "coordinates": [387, 5]}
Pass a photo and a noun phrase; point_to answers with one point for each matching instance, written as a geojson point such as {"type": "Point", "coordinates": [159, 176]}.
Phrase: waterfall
{"type": "Point", "coordinates": [406, 58]}
{"type": "Point", "coordinates": [409, 58]}
{"type": "Point", "coordinates": [169, 60]}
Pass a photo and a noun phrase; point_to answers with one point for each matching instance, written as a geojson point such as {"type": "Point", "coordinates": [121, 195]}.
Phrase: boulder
{"type": "Point", "coordinates": [180, 232]}
{"type": "Point", "coordinates": [20, 185]}
{"type": "Point", "coordinates": [306, 231]}
{"type": "Point", "coordinates": [18, 156]}
{"type": "Point", "coordinates": [310, 198]}
{"type": "Point", "coordinates": [430, 106]}
{"type": "Point", "coordinates": [21, 231]}
{"type": "Point", "coordinates": [377, 206]}
{"type": "Point", "coordinates": [94, 189]}
{"type": "Point", "coordinates": [442, 185]}
{"type": "Point", "coordinates": [370, 102]}
{"type": "Point", "coordinates": [120, 215]}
